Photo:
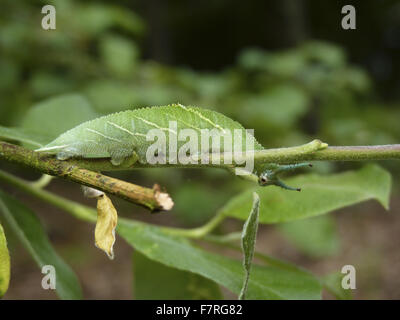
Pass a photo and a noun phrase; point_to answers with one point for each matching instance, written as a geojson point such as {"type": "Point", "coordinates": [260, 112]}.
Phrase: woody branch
{"type": "Point", "coordinates": [152, 199]}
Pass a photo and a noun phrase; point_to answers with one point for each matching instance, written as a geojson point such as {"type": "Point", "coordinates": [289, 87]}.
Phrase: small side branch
{"type": "Point", "coordinates": [153, 199]}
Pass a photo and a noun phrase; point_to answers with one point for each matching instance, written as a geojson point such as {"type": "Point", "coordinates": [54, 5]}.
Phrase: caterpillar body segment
{"type": "Point", "coordinates": [120, 135]}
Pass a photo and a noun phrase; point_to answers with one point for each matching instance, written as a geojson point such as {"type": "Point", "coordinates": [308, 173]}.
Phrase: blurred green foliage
{"type": "Point", "coordinates": [92, 65]}
{"type": "Point", "coordinates": [286, 96]}
{"type": "Point", "coordinates": [317, 237]}
{"type": "Point", "coordinates": [153, 280]}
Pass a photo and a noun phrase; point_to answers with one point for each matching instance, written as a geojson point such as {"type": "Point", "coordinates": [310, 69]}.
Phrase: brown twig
{"type": "Point", "coordinates": [153, 199]}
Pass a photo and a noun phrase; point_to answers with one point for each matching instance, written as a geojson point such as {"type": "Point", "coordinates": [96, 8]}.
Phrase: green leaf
{"type": "Point", "coordinates": [4, 263]}
{"type": "Point", "coordinates": [316, 237]}
{"type": "Point", "coordinates": [320, 194]}
{"type": "Point", "coordinates": [267, 282]}
{"type": "Point", "coordinates": [333, 284]}
{"type": "Point", "coordinates": [45, 84]}
{"type": "Point", "coordinates": [30, 232]}
{"type": "Point", "coordinates": [283, 64]}
{"type": "Point", "coordinates": [156, 281]}
{"type": "Point", "coordinates": [325, 53]}
{"type": "Point", "coordinates": [96, 18]}
{"type": "Point", "coordinates": [195, 203]}
{"type": "Point", "coordinates": [278, 107]}
{"type": "Point", "coordinates": [249, 235]}
{"type": "Point", "coordinates": [111, 95]}
{"type": "Point", "coordinates": [119, 54]}
{"type": "Point", "coordinates": [54, 116]}
{"type": "Point", "coordinates": [31, 139]}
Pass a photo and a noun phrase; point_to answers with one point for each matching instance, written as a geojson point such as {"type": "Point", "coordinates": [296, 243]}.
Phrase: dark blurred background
{"type": "Point", "coordinates": [210, 35]}
{"type": "Point", "coordinates": [285, 68]}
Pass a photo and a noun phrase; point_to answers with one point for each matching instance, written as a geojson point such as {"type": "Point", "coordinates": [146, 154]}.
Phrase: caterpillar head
{"type": "Point", "coordinates": [267, 178]}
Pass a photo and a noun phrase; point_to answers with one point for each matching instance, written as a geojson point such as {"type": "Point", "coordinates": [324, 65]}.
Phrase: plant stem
{"type": "Point", "coordinates": [151, 199]}
{"type": "Point", "coordinates": [199, 232]}
{"type": "Point", "coordinates": [311, 152]}
{"type": "Point", "coordinates": [355, 153]}
{"type": "Point", "coordinates": [42, 182]}
{"type": "Point", "coordinates": [79, 170]}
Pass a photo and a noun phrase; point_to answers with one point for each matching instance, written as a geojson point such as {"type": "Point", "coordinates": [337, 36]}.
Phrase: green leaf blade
{"type": "Point", "coordinates": [47, 119]}
{"type": "Point", "coordinates": [333, 284]}
{"type": "Point", "coordinates": [54, 116]}
{"type": "Point", "coordinates": [249, 235]}
{"type": "Point", "coordinates": [319, 195]}
{"type": "Point", "coordinates": [267, 282]}
{"type": "Point", "coordinates": [30, 139]}
{"type": "Point", "coordinates": [155, 281]}
{"type": "Point", "coordinates": [317, 237]}
{"type": "Point", "coordinates": [4, 263]}
{"type": "Point", "coordinates": [30, 232]}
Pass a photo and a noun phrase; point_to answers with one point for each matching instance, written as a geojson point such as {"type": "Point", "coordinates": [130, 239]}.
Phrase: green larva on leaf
{"type": "Point", "coordinates": [121, 135]}
{"type": "Point", "coordinates": [125, 135]}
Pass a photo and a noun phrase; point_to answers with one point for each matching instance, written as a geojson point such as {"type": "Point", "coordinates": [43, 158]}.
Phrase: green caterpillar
{"type": "Point", "coordinates": [124, 135]}
{"type": "Point", "coordinates": [121, 135]}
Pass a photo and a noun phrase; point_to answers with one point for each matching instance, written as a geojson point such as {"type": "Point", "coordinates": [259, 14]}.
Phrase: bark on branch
{"type": "Point", "coordinates": [85, 171]}
{"type": "Point", "coordinates": [153, 199]}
